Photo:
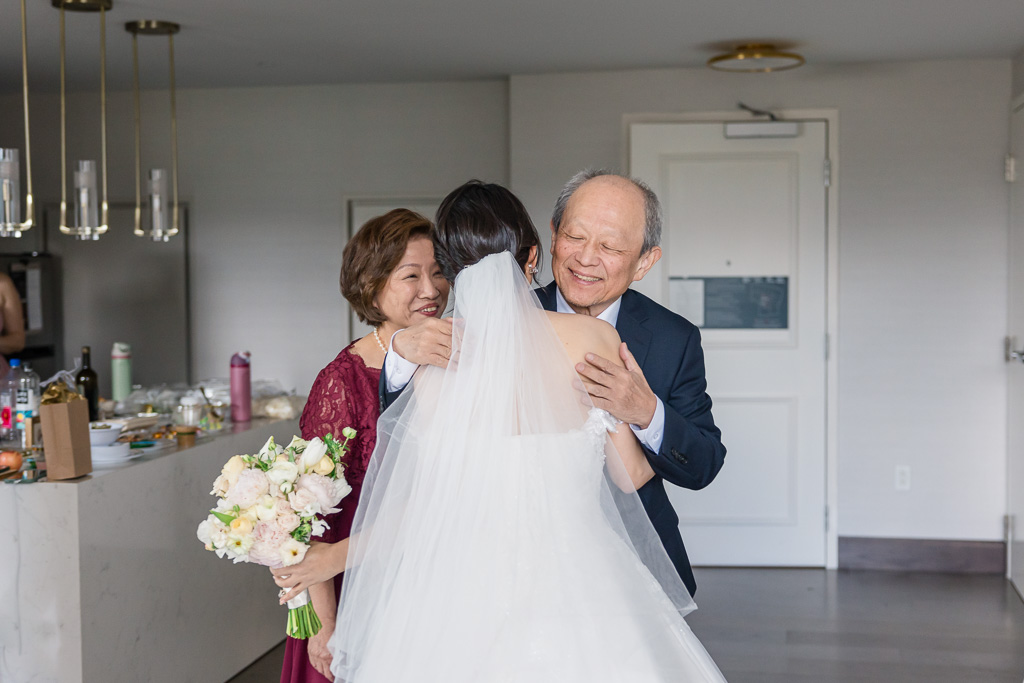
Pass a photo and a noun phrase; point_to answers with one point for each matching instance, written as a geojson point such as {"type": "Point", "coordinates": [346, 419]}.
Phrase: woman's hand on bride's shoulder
{"type": "Point", "coordinates": [321, 563]}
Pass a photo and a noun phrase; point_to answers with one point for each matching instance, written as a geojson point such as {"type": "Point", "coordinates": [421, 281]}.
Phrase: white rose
{"type": "Point", "coordinates": [250, 487]}
{"type": "Point", "coordinates": [291, 552]}
{"type": "Point", "coordinates": [220, 486]}
{"type": "Point", "coordinates": [232, 468]}
{"type": "Point", "coordinates": [282, 475]}
{"type": "Point", "coordinates": [207, 529]}
{"type": "Point", "coordinates": [325, 466]}
{"type": "Point", "coordinates": [266, 508]}
{"type": "Point", "coordinates": [304, 502]}
{"type": "Point", "coordinates": [315, 450]}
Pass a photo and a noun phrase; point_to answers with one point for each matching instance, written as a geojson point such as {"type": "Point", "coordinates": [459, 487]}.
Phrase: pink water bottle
{"type": "Point", "coordinates": [241, 388]}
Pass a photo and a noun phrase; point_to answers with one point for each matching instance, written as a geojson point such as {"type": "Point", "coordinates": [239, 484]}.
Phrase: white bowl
{"type": "Point", "coordinates": [103, 433]}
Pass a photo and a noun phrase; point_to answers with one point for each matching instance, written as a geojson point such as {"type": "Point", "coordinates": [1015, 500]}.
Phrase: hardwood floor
{"type": "Point", "coordinates": [802, 625]}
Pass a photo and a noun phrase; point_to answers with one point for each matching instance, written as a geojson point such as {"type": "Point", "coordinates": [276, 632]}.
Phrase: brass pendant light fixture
{"type": "Point", "coordinates": [11, 223]}
{"type": "Point", "coordinates": [161, 226]}
{"type": "Point", "coordinates": [756, 58]}
{"type": "Point", "coordinates": [90, 210]}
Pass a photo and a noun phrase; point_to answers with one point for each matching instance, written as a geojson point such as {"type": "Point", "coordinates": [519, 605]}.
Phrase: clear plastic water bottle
{"type": "Point", "coordinates": [8, 433]}
{"type": "Point", "coordinates": [26, 397]}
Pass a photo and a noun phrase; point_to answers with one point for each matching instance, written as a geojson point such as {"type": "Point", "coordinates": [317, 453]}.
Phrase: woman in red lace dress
{"type": "Point", "coordinates": [390, 278]}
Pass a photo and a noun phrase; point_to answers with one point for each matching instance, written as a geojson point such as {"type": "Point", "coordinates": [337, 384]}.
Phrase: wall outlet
{"type": "Point", "coordinates": [902, 477]}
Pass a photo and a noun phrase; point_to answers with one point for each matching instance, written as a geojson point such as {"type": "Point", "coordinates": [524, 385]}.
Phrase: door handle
{"type": "Point", "coordinates": [1010, 353]}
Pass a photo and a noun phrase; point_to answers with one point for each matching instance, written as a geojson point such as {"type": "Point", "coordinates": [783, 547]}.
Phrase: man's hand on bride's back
{"type": "Point", "coordinates": [428, 342]}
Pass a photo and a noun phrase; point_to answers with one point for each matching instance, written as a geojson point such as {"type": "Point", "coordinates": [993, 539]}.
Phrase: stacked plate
{"type": "Point", "coordinates": [113, 455]}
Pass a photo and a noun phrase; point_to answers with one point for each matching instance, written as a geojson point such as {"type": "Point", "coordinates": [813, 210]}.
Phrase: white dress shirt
{"type": "Point", "coordinates": [399, 372]}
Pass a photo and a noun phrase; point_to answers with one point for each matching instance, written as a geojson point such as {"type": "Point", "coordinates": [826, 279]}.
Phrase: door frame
{"type": "Point", "coordinates": [831, 343]}
{"type": "Point", "coordinates": [1010, 531]}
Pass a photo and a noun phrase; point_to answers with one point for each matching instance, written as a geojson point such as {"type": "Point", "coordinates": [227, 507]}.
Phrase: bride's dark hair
{"type": "Point", "coordinates": [478, 219]}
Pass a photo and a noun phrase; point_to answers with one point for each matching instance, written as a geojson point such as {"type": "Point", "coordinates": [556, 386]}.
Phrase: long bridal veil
{"type": "Point", "coordinates": [493, 540]}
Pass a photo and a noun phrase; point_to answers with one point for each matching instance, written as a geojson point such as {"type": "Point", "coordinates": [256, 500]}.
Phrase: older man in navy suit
{"type": "Point", "coordinates": [605, 232]}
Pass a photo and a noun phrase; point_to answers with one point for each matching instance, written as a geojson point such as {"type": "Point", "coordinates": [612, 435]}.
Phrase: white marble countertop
{"type": "Point", "coordinates": [102, 577]}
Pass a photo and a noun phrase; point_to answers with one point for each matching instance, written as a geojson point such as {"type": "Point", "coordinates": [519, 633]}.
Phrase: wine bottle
{"type": "Point", "coordinates": [88, 385]}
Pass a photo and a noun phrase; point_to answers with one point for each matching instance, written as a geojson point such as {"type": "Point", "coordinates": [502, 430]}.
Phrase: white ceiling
{"type": "Point", "coordinates": [278, 42]}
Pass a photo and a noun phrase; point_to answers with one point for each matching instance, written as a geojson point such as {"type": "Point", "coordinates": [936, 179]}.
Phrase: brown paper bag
{"type": "Point", "coordinates": [66, 439]}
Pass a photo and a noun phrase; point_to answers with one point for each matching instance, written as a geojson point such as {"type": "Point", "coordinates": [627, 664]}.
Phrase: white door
{"type": "Point", "coordinates": [1015, 396]}
{"type": "Point", "coordinates": [744, 258]}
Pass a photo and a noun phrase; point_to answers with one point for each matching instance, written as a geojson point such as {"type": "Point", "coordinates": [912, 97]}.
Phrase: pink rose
{"type": "Point", "coordinates": [304, 502]}
{"type": "Point", "coordinates": [250, 487]}
{"type": "Point", "coordinates": [287, 521]}
{"type": "Point", "coordinates": [322, 489]}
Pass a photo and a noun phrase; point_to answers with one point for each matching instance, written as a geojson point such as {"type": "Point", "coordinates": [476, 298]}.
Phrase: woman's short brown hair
{"type": "Point", "coordinates": [372, 255]}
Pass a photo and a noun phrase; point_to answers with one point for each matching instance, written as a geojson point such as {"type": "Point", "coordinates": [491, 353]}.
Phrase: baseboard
{"type": "Point", "coordinates": [922, 555]}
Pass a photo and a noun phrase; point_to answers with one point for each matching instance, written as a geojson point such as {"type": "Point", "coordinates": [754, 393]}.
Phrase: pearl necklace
{"type": "Point", "coordinates": [379, 342]}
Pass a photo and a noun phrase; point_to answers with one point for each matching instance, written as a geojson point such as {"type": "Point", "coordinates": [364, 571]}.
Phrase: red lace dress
{"type": "Point", "coordinates": [343, 395]}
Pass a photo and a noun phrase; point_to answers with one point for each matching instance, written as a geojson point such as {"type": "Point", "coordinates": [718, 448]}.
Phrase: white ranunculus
{"type": "Point", "coordinates": [238, 546]}
{"type": "Point", "coordinates": [283, 474]}
{"type": "Point", "coordinates": [297, 443]}
{"type": "Point", "coordinates": [315, 450]}
{"type": "Point", "coordinates": [250, 487]}
{"type": "Point", "coordinates": [266, 508]}
{"type": "Point", "coordinates": [291, 552]}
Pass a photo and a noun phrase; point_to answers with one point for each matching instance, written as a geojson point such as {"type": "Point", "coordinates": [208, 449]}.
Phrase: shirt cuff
{"type": "Point", "coordinates": [397, 370]}
{"type": "Point", "coordinates": [655, 432]}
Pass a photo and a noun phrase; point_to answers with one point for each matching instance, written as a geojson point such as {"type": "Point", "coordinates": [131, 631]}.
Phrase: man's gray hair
{"type": "Point", "coordinates": [652, 207]}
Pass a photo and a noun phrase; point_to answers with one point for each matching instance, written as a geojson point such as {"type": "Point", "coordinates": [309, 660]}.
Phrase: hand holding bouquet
{"type": "Point", "coordinates": [271, 504]}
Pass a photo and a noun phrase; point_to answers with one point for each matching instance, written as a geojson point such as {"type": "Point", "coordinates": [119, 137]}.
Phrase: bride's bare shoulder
{"type": "Point", "coordinates": [582, 334]}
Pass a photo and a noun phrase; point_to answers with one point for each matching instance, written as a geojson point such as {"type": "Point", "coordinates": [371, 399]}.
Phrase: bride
{"type": "Point", "coordinates": [498, 536]}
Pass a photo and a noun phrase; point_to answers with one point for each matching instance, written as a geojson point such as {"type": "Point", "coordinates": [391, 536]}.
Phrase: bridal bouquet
{"type": "Point", "coordinates": [270, 505]}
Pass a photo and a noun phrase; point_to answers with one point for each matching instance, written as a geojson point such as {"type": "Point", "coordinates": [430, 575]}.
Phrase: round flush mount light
{"type": "Point", "coordinates": [755, 58]}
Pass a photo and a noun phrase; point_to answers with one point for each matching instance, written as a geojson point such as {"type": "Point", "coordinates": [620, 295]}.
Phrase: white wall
{"type": "Point", "coordinates": [1018, 74]}
{"type": "Point", "coordinates": [922, 273]}
{"type": "Point", "coordinates": [266, 172]}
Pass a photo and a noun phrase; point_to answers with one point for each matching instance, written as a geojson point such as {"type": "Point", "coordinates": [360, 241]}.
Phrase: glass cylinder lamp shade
{"type": "Point", "coordinates": [87, 211]}
{"type": "Point", "coordinates": [159, 206]}
{"type": "Point", "coordinates": [10, 193]}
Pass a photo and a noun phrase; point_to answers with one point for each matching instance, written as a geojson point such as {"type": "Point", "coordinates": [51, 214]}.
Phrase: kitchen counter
{"type": "Point", "coordinates": [102, 578]}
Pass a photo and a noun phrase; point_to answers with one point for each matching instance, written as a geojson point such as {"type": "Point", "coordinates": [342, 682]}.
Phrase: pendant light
{"type": "Point", "coordinates": [11, 223]}
{"type": "Point", "coordinates": [755, 58]}
{"type": "Point", "coordinates": [90, 208]}
{"type": "Point", "coordinates": [162, 209]}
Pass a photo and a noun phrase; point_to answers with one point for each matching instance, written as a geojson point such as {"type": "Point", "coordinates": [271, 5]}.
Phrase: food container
{"type": "Point", "coordinates": [103, 433]}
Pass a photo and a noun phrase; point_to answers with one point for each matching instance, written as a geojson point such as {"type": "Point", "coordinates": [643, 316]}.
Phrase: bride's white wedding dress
{"type": "Point", "coordinates": [493, 541]}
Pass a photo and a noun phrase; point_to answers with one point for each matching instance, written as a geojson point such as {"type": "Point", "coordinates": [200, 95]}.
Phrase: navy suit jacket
{"type": "Point", "coordinates": [667, 349]}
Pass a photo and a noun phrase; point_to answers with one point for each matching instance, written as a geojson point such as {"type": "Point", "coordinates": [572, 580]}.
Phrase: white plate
{"type": "Point", "coordinates": [113, 453]}
{"type": "Point", "coordinates": [105, 464]}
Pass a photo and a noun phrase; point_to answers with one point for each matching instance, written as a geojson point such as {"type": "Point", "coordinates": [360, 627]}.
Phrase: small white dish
{"type": "Point", "coordinates": [108, 464]}
{"type": "Point", "coordinates": [104, 433]}
{"type": "Point", "coordinates": [115, 452]}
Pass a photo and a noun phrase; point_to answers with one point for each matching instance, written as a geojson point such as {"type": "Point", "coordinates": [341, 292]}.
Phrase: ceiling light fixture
{"type": "Point", "coordinates": [11, 224]}
{"type": "Point", "coordinates": [90, 211]}
{"type": "Point", "coordinates": [160, 228]}
{"type": "Point", "coordinates": [756, 58]}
